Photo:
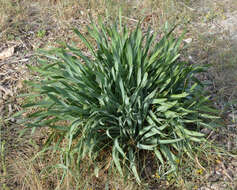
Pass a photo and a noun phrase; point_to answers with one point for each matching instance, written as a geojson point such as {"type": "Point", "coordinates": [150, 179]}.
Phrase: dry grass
{"type": "Point", "coordinates": [42, 23]}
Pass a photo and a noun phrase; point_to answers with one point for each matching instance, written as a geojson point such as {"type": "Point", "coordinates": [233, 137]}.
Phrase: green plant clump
{"type": "Point", "coordinates": [131, 95]}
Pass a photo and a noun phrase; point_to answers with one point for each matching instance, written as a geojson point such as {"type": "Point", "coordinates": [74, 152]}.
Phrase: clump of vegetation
{"type": "Point", "coordinates": [131, 95]}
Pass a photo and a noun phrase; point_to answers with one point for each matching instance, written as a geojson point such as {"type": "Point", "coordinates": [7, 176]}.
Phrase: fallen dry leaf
{"type": "Point", "coordinates": [19, 84]}
{"type": "Point", "coordinates": [7, 53]}
{"type": "Point", "coordinates": [188, 40]}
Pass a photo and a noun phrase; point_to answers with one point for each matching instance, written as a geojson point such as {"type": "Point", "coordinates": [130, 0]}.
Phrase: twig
{"type": "Point", "coordinates": [198, 163]}
{"type": "Point", "coordinates": [25, 59]}
{"type": "Point", "coordinates": [225, 172]}
{"type": "Point", "coordinates": [191, 9]}
{"type": "Point", "coordinates": [210, 134]}
{"type": "Point", "coordinates": [130, 19]}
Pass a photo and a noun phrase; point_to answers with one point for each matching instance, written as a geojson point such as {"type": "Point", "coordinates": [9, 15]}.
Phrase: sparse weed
{"type": "Point", "coordinates": [41, 33]}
